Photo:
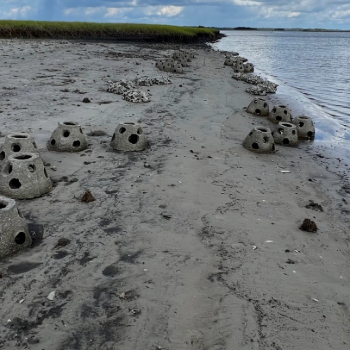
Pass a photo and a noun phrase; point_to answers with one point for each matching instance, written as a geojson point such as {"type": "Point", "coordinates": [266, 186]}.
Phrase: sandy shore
{"type": "Point", "coordinates": [192, 244]}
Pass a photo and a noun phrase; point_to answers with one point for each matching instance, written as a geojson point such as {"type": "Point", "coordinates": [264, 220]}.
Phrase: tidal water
{"type": "Point", "coordinates": [312, 70]}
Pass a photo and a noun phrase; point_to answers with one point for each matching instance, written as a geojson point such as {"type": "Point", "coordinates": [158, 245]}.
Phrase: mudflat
{"type": "Point", "coordinates": [193, 243]}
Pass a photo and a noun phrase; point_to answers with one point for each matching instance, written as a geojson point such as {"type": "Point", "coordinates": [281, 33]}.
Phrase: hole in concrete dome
{"type": "Point", "coordinates": [255, 145]}
{"type": "Point", "coordinates": [282, 106]}
{"type": "Point", "coordinates": [139, 131]}
{"type": "Point", "coordinates": [285, 112]}
{"type": "Point", "coordinates": [20, 214]}
{"type": "Point", "coordinates": [310, 134]}
{"type": "Point", "coordinates": [266, 139]}
{"type": "Point", "coordinates": [130, 123]}
{"type": "Point", "coordinates": [280, 130]}
{"type": "Point", "coordinates": [76, 143]}
{"type": "Point", "coordinates": [287, 125]}
{"type": "Point", "coordinates": [285, 141]}
{"type": "Point", "coordinates": [2, 155]}
{"type": "Point", "coordinates": [81, 130]}
{"type": "Point", "coordinates": [23, 157]}
{"type": "Point", "coordinates": [122, 130]}
{"type": "Point", "coordinates": [19, 136]}
{"type": "Point", "coordinates": [20, 238]}
{"type": "Point", "coordinates": [265, 105]}
{"type": "Point", "coordinates": [3, 205]}
{"type": "Point", "coordinates": [293, 132]}
{"type": "Point", "coordinates": [251, 133]}
{"type": "Point", "coordinates": [262, 129]}
{"type": "Point", "coordinates": [70, 123]}
{"type": "Point", "coordinates": [257, 111]}
{"type": "Point", "coordinates": [278, 117]}
{"type": "Point", "coordinates": [301, 124]}
{"type": "Point", "coordinates": [31, 168]}
{"type": "Point", "coordinates": [53, 142]}
{"type": "Point", "coordinates": [66, 133]}
{"type": "Point", "coordinates": [15, 184]}
{"type": "Point", "coordinates": [273, 146]}
{"type": "Point", "coordinates": [34, 144]}
{"type": "Point", "coordinates": [303, 117]}
{"type": "Point", "coordinates": [45, 172]}
{"type": "Point", "coordinates": [16, 147]}
{"type": "Point", "coordinates": [133, 138]}
{"type": "Point", "coordinates": [8, 169]}
{"type": "Point", "coordinates": [255, 101]}
{"type": "Point", "coordinates": [274, 110]}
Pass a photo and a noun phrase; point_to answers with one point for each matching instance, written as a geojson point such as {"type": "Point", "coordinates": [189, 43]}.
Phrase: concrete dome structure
{"type": "Point", "coordinates": [14, 233]}
{"type": "Point", "coordinates": [305, 127]}
{"type": "Point", "coordinates": [248, 67]}
{"type": "Point", "coordinates": [24, 176]}
{"type": "Point", "coordinates": [280, 114]}
{"type": "Point", "coordinates": [17, 142]}
{"type": "Point", "coordinates": [259, 107]}
{"type": "Point", "coordinates": [129, 137]}
{"type": "Point", "coordinates": [260, 140]}
{"type": "Point", "coordinates": [286, 134]}
{"type": "Point", "coordinates": [67, 137]}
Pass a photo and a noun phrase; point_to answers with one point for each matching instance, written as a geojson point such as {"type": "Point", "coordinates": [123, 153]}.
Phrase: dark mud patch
{"type": "Point", "coordinates": [130, 257]}
{"type": "Point", "coordinates": [113, 230]}
{"type": "Point", "coordinates": [60, 255]}
{"type": "Point", "coordinates": [36, 231]}
{"type": "Point", "coordinates": [314, 206]}
{"type": "Point", "coordinates": [111, 271]}
{"type": "Point", "coordinates": [86, 258]}
{"type": "Point", "coordinates": [23, 267]}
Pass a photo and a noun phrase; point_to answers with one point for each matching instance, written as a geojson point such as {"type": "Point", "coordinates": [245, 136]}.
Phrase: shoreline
{"type": "Point", "coordinates": [194, 243]}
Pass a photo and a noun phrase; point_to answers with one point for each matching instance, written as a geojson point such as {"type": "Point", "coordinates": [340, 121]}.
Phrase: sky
{"type": "Point", "coordinates": [330, 14]}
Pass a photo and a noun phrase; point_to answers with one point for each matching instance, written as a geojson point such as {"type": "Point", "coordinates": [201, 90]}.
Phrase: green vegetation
{"type": "Point", "coordinates": [106, 31]}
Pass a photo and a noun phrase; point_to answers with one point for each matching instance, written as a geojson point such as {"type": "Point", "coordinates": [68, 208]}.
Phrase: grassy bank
{"type": "Point", "coordinates": [105, 31]}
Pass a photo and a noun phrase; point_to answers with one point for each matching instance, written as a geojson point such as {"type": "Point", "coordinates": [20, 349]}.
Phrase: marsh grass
{"type": "Point", "coordinates": [107, 31]}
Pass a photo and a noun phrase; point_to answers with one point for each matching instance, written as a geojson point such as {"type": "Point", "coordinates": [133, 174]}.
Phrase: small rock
{"type": "Point", "coordinates": [86, 100]}
{"type": "Point", "coordinates": [51, 296]}
{"type": "Point", "coordinates": [290, 261]}
{"type": "Point", "coordinates": [308, 226]}
{"type": "Point", "coordinates": [62, 242]}
{"type": "Point", "coordinates": [167, 216]}
{"type": "Point", "coordinates": [122, 296]}
{"type": "Point", "coordinates": [88, 197]}
{"type": "Point", "coordinates": [135, 312]}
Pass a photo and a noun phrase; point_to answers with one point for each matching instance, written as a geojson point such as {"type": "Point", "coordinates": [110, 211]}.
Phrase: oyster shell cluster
{"type": "Point", "coordinates": [263, 86]}
{"type": "Point", "coordinates": [128, 88]}
{"type": "Point", "coordinates": [176, 63]}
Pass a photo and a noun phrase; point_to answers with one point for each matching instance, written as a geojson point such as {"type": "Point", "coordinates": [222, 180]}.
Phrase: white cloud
{"type": "Point", "coordinates": [16, 12]}
{"type": "Point", "coordinates": [116, 11]}
{"type": "Point", "coordinates": [293, 14]}
{"type": "Point", "coordinates": [93, 10]}
{"type": "Point", "coordinates": [246, 3]}
{"type": "Point", "coordinates": [167, 11]}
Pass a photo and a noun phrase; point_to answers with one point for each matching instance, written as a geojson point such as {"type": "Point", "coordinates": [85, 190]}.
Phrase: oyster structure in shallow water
{"type": "Point", "coordinates": [263, 86]}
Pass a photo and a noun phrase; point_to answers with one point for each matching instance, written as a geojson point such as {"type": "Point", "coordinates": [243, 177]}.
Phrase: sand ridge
{"type": "Point", "coordinates": [192, 244]}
